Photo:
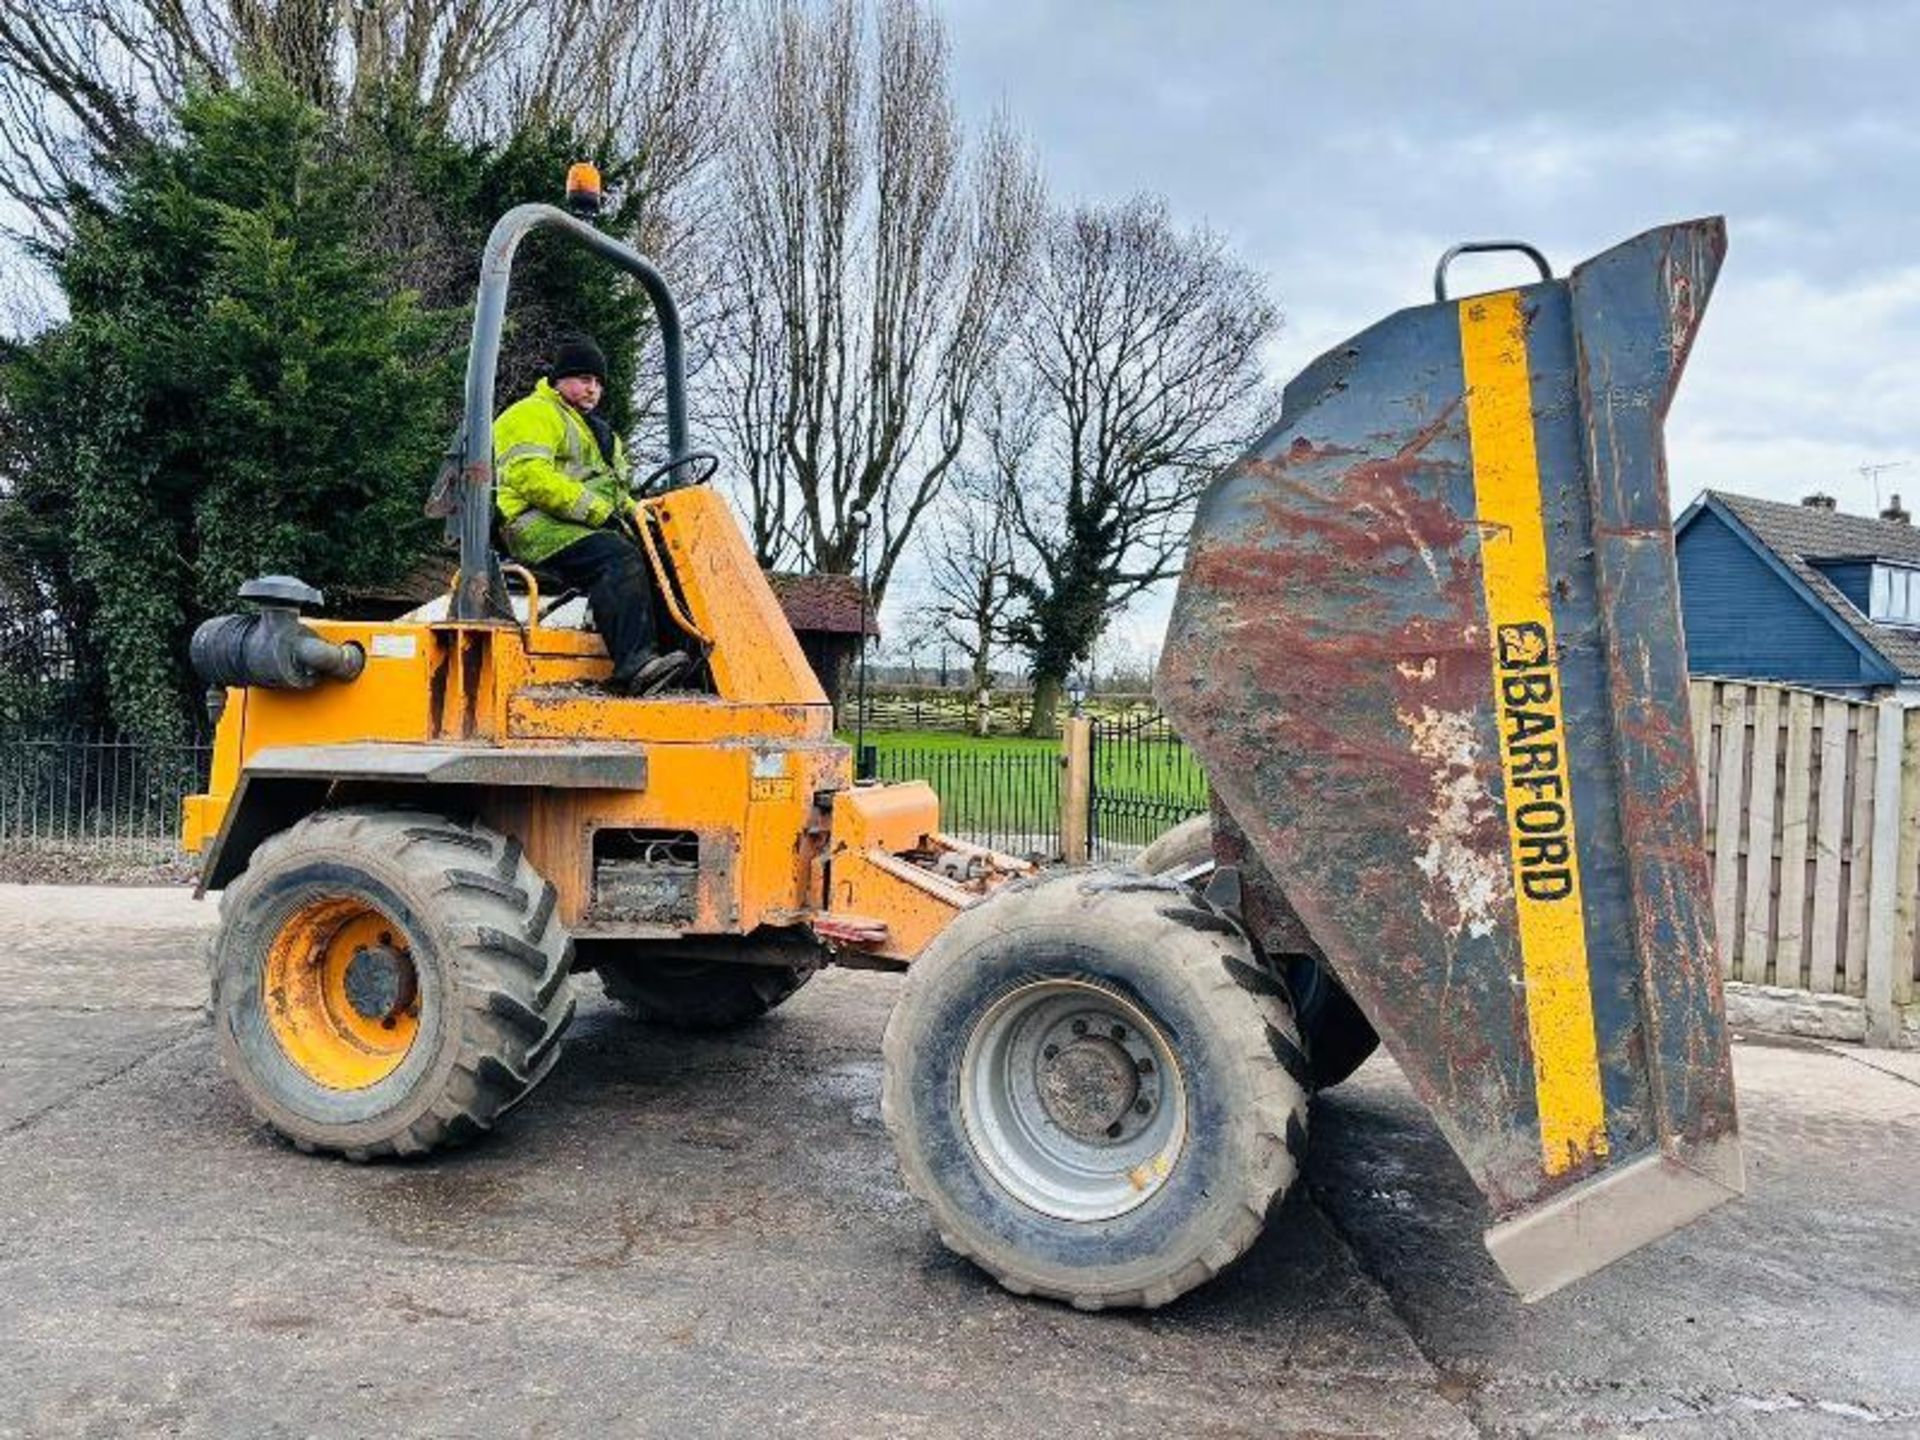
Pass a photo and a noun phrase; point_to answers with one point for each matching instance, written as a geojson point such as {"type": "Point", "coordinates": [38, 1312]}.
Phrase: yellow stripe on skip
{"type": "Point", "coordinates": [1533, 746]}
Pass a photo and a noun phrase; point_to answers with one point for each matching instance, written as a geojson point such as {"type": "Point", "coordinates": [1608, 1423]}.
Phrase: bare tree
{"type": "Point", "coordinates": [83, 81]}
{"type": "Point", "coordinates": [874, 259]}
{"type": "Point", "coordinates": [1138, 373]}
{"type": "Point", "coordinates": [969, 558]}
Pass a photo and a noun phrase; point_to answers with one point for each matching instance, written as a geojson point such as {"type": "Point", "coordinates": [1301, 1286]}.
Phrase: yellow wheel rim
{"type": "Point", "coordinates": [342, 994]}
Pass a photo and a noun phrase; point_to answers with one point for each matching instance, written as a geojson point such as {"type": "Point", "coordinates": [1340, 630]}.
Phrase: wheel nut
{"type": "Point", "coordinates": [1143, 1105]}
{"type": "Point", "coordinates": [386, 937]}
{"type": "Point", "coordinates": [1113, 1131]}
{"type": "Point", "coordinates": [1079, 1027]}
{"type": "Point", "coordinates": [1120, 1032]}
{"type": "Point", "coordinates": [1144, 1065]}
{"type": "Point", "coordinates": [1051, 1051]}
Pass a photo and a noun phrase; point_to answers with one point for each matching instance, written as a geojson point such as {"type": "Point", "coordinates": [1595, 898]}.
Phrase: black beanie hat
{"type": "Point", "coordinates": [577, 355]}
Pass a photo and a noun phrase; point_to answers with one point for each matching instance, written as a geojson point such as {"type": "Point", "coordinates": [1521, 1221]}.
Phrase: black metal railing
{"type": "Point", "coordinates": [1144, 782]}
{"type": "Point", "coordinates": [1009, 801]}
{"type": "Point", "coordinates": [96, 791]}
{"type": "Point", "coordinates": [103, 793]}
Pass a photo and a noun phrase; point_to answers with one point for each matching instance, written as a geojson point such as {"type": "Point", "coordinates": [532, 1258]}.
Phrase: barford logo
{"type": "Point", "coordinates": [1539, 795]}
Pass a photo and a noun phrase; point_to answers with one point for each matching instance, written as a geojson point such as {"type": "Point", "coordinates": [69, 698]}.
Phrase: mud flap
{"type": "Point", "coordinates": [1428, 648]}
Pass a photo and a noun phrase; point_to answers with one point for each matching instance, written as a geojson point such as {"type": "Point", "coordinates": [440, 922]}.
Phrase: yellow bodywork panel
{"type": "Point", "coordinates": [750, 774]}
{"type": "Point", "coordinates": [391, 700]}
{"type": "Point", "coordinates": [882, 898]}
{"type": "Point", "coordinates": [728, 598]}
{"type": "Point", "coordinates": [576, 713]}
{"type": "Point", "coordinates": [752, 867]}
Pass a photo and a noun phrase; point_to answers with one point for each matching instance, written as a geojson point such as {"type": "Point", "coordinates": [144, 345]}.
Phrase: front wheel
{"type": "Point", "coordinates": [386, 982]}
{"type": "Point", "coordinates": [1091, 1083]}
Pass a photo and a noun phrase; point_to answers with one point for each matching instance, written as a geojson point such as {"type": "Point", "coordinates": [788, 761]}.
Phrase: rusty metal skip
{"type": "Point", "coordinates": [1427, 645]}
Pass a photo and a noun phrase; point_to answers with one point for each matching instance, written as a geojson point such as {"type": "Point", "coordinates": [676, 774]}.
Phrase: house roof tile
{"type": "Point", "coordinates": [1800, 535]}
{"type": "Point", "coordinates": [824, 604]}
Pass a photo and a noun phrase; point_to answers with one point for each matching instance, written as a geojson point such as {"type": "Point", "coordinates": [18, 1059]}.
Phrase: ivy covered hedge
{"type": "Point", "coordinates": [266, 317]}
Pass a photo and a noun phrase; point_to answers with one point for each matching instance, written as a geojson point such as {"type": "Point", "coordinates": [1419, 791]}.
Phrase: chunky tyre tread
{"type": "Point", "coordinates": [1337, 1036]}
{"type": "Point", "coordinates": [1253, 1022]}
{"type": "Point", "coordinates": [508, 971]}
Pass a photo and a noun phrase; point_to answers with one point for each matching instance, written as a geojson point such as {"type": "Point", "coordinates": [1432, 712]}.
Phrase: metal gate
{"type": "Point", "coordinates": [1143, 781]}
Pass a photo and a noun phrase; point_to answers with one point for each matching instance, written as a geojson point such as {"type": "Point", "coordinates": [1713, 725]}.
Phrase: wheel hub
{"type": "Point", "coordinates": [1088, 1087]}
{"type": "Point", "coordinates": [1072, 1099]}
{"type": "Point", "coordinates": [342, 993]}
{"type": "Point", "coordinates": [376, 981]}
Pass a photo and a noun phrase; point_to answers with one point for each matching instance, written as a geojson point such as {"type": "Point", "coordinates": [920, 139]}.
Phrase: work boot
{"type": "Point", "coordinates": [658, 673]}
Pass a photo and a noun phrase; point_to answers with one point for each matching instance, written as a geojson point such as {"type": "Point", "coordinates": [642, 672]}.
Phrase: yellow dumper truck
{"type": "Point", "coordinates": [1426, 646]}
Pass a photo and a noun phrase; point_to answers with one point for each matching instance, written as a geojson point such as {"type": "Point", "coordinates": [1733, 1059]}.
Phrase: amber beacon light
{"type": "Point", "coordinates": [585, 193]}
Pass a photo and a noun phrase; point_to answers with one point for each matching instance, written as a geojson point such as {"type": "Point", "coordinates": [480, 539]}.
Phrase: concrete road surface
{"type": "Point", "coordinates": [707, 1237]}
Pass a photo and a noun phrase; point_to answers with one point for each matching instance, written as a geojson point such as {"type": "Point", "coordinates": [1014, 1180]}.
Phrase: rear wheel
{"type": "Point", "coordinates": [1095, 1088]}
{"type": "Point", "coordinates": [697, 992]}
{"type": "Point", "coordinates": [386, 982]}
{"type": "Point", "coordinates": [1337, 1034]}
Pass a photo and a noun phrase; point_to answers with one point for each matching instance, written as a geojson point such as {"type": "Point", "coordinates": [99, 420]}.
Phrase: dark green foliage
{"type": "Point", "coordinates": [437, 198]}
{"type": "Point", "coordinates": [1068, 602]}
{"type": "Point", "coordinates": [238, 389]}
{"type": "Point", "coordinates": [260, 369]}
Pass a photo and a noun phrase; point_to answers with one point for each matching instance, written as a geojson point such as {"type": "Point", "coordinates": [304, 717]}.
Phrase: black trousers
{"type": "Point", "coordinates": [613, 572]}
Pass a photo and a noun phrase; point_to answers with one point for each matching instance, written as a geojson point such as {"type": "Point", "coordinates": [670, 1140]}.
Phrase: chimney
{"type": "Point", "coordinates": [1817, 501]}
{"type": "Point", "coordinates": [1894, 513]}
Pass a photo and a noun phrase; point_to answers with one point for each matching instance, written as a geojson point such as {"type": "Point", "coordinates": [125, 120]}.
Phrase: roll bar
{"type": "Point", "coordinates": [478, 593]}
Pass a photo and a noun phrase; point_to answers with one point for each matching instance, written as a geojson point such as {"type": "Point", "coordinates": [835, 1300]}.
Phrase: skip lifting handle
{"type": "Point", "coordinates": [1482, 247]}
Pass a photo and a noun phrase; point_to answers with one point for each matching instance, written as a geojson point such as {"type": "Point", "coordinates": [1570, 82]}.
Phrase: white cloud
{"type": "Point", "coordinates": [1794, 384]}
{"type": "Point", "coordinates": [1341, 148]}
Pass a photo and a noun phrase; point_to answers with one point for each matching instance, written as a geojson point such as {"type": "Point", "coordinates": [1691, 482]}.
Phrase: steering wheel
{"type": "Point", "coordinates": [707, 463]}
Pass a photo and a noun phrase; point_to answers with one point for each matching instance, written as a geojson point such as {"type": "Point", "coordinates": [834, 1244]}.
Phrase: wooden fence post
{"type": "Point", "coordinates": [1729, 810]}
{"type": "Point", "coordinates": [1883, 919]}
{"type": "Point", "coordinates": [1789, 937]}
{"type": "Point", "coordinates": [1756, 937]}
{"type": "Point", "coordinates": [1907, 900]}
{"type": "Point", "coordinates": [1076, 789]}
{"type": "Point", "coordinates": [1823, 951]}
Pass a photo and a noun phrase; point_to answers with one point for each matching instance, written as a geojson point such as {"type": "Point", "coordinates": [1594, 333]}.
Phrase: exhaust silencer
{"type": "Point", "coordinates": [1427, 646]}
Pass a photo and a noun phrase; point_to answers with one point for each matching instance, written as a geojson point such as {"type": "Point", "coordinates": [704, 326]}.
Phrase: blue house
{"type": "Point", "coordinates": [1801, 594]}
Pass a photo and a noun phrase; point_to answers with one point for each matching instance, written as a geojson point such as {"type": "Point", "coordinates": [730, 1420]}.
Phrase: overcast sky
{"type": "Point", "coordinates": [1342, 146]}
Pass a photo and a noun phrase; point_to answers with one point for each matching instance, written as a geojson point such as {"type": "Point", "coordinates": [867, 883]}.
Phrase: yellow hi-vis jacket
{"type": "Point", "coordinates": [554, 486]}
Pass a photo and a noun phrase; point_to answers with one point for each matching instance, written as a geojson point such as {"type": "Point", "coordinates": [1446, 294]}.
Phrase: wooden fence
{"type": "Point", "coordinates": [1813, 824]}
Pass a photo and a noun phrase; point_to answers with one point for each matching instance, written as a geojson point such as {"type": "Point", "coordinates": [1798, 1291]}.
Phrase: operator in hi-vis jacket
{"type": "Point", "coordinates": [563, 479]}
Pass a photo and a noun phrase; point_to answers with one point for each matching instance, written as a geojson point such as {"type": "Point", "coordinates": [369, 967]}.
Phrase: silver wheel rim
{"type": "Point", "coordinates": [1072, 1100]}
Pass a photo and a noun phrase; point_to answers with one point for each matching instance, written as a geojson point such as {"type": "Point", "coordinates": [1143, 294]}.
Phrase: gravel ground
{"type": "Point", "coordinates": [707, 1237]}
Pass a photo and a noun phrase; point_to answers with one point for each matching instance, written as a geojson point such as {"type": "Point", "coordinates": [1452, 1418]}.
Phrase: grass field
{"type": "Point", "coordinates": [1006, 788]}
{"type": "Point", "coordinates": [949, 742]}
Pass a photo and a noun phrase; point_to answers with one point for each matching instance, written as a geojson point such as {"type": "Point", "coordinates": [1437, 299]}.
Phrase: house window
{"type": "Point", "coordinates": [1896, 595]}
